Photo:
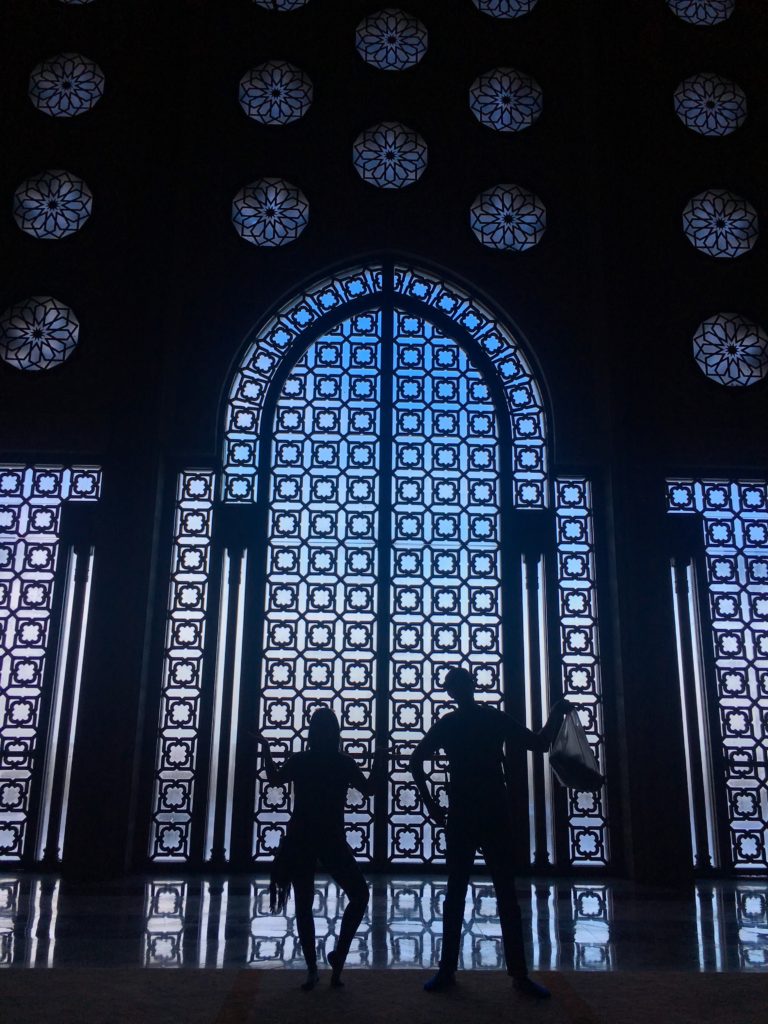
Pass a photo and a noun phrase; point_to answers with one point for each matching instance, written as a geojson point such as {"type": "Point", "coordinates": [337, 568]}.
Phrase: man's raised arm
{"type": "Point", "coordinates": [425, 751]}
{"type": "Point", "coordinates": [540, 741]}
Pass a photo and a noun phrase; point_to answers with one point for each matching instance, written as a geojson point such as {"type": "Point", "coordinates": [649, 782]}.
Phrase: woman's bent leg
{"type": "Point", "coordinates": [345, 871]}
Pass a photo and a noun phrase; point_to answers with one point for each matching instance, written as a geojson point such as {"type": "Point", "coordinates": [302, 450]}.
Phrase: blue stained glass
{"type": "Point", "coordinates": [66, 85]}
{"type": "Point", "coordinates": [702, 12]}
{"type": "Point", "coordinates": [505, 8]}
{"type": "Point", "coordinates": [710, 104]}
{"type": "Point", "coordinates": [275, 93]}
{"type": "Point", "coordinates": [389, 155]}
{"type": "Point", "coordinates": [391, 40]}
{"type": "Point", "coordinates": [506, 100]}
{"type": "Point", "coordinates": [731, 350]}
{"type": "Point", "coordinates": [721, 224]}
{"type": "Point", "coordinates": [270, 212]}
{"type": "Point", "coordinates": [281, 5]}
{"type": "Point", "coordinates": [508, 217]}
{"type": "Point", "coordinates": [53, 204]}
{"type": "Point", "coordinates": [38, 334]}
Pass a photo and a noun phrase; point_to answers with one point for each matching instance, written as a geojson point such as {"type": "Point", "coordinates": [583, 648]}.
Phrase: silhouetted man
{"type": "Point", "coordinates": [473, 739]}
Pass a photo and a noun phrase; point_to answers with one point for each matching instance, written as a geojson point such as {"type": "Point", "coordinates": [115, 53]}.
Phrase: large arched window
{"type": "Point", "coordinates": [384, 510]}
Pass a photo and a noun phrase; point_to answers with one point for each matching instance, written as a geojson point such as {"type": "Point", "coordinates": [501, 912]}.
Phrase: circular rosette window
{"type": "Point", "coordinates": [66, 85]}
{"type": "Point", "coordinates": [509, 218]}
{"type": "Point", "coordinates": [53, 204]}
{"type": "Point", "coordinates": [270, 212]}
{"type": "Point", "coordinates": [506, 100]}
{"type": "Point", "coordinates": [731, 350]}
{"type": "Point", "coordinates": [389, 155]}
{"type": "Point", "coordinates": [391, 40]}
{"type": "Point", "coordinates": [505, 8]}
{"type": "Point", "coordinates": [281, 5]}
{"type": "Point", "coordinates": [275, 93]}
{"type": "Point", "coordinates": [710, 104]}
{"type": "Point", "coordinates": [38, 334]}
{"type": "Point", "coordinates": [702, 12]}
{"type": "Point", "coordinates": [720, 224]}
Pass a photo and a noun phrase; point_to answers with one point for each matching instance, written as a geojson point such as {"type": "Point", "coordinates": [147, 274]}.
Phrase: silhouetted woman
{"type": "Point", "coordinates": [321, 776]}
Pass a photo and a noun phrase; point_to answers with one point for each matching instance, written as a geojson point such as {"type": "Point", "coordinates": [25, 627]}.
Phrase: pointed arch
{"type": "Point", "coordinates": [365, 286]}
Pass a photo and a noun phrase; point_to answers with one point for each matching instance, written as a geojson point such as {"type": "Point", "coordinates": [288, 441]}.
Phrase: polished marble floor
{"type": "Point", "coordinates": [223, 921]}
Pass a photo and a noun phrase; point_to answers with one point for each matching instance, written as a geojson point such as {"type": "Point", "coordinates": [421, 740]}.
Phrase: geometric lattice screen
{"type": "Point", "coordinates": [407, 429]}
{"type": "Point", "coordinates": [32, 698]}
{"type": "Point", "coordinates": [735, 524]}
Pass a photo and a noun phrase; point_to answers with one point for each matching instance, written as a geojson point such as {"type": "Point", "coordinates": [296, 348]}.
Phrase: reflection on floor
{"type": "Point", "coordinates": [223, 921]}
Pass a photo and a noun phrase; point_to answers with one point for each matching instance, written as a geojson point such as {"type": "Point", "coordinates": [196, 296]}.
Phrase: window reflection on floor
{"type": "Point", "coordinates": [224, 922]}
{"type": "Point", "coordinates": [273, 939]}
{"type": "Point", "coordinates": [752, 921]}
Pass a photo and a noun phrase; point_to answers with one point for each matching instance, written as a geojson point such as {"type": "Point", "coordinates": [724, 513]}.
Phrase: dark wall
{"type": "Point", "coordinates": [166, 291]}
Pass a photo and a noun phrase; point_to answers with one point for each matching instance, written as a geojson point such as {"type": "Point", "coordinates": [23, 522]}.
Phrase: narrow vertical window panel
{"type": "Point", "coordinates": [31, 499]}
{"type": "Point", "coordinates": [320, 614]}
{"type": "Point", "coordinates": [580, 658]}
{"type": "Point", "coordinates": [176, 765]}
{"type": "Point", "coordinates": [237, 669]}
{"type": "Point", "coordinates": [681, 640]}
{"type": "Point", "coordinates": [446, 595]}
{"type": "Point", "coordinates": [702, 718]}
{"type": "Point", "coordinates": [541, 591]}
{"type": "Point", "coordinates": [57, 702]}
{"type": "Point", "coordinates": [219, 683]}
{"type": "Point", "coordinates": [734, 518]}
{"type": "Point", "coordinates": [75, 705]}
{"type": "Point", "coordinates": [529, 723]}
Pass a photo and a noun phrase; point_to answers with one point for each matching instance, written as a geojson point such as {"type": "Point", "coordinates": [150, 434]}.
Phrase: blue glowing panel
{"type": "Point", "coordinates": [66, 85]}
{"type": "Point", "coordinates": [720, 223]}
{"type": "Point", "coordinates": [710, 105]}
{"type": "Point", "coordinates": [524, 401]}
{"type": "Point", "coordinates": [702, 12]}
{"type": "Point", "coordinates": [580, 658]}
{"type": "Point", "coordinates": [54, 204]}
{"type": "Point", "coordinates": [38, 334]}
{"type": "Point", "coordinates": [735, 522]}
{"type": "Point", "coordinates": [391, 40]}
{"type": "Point", "coordinates": [389, 155]}
{"type": "Point", "coordinates": [275, 93]}
{"type": "Point", "coordinates": [263, 356]}
{"type": "Point", "coordinates": [508, 218]}
{"type": "Point", "coordinates": [320, 615]}
{"type": "Point", "coordinates": [506, 100]}
{"type": "Point", "coordinates": [731, 350]}
{"type": "Point", "coordinates": [176, 761]}
{"type": "Point", "coordinates": [270, 212]}
{"type": "Point", "coordinates": [30, 523]}
{"type": "Point", "coordinates": [446, 599]}
{"type": "Point", "coordinates": [281, 5]}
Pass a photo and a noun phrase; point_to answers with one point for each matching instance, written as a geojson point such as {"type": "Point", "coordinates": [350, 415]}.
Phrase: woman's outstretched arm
{"type": "Point", "coordinates": [368, 786]}
{"type": "Point", "coordinates": [273, 773]}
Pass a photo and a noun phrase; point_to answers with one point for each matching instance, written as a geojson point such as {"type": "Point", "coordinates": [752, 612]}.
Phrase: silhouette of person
{"type": "Point", "coordinates": [321, 776]}
{"type": "Point", "coordinates": [473, 737]}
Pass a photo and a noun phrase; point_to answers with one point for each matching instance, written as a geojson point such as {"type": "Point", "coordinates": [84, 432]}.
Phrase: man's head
{"type": "Point", "coordinates": [459, 683]}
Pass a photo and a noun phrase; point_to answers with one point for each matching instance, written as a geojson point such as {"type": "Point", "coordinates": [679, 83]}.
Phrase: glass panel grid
{"type": "Point", "coordinates": [735, 523]}
{"type": "Point", "coordinates": [580, 658]}
{"type": "Point", "coordinates": [446, 599]}
{"type": "Point", "coordinates": [176, 765]}
{"type": "Point", "coordinates": [250, 384]}
{"type": "Point", "coordinates": [30, 521]}
{"type": "Point", "coordinates": [526, 409]}
{"type": "Point", "coordinates": [320, 623]}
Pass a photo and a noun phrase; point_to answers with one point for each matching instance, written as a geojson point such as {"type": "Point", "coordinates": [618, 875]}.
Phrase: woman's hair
{"type": "Point", "coordinates": [324, 736]}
